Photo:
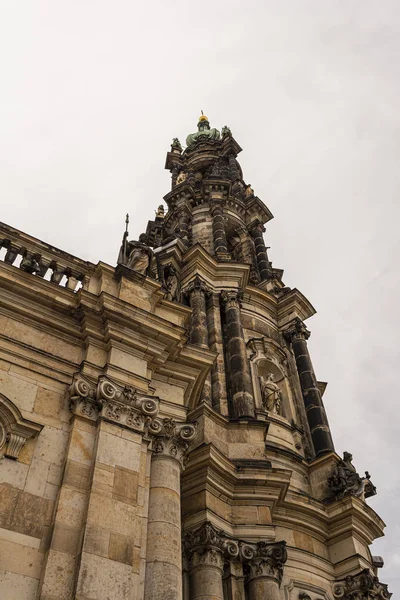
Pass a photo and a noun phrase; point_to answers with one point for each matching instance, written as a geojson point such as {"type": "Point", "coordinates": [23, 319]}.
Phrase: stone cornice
{"type": "Point", "coordinates": [362, 586]}
{"type": "Point", "coordinates": [198, 260]}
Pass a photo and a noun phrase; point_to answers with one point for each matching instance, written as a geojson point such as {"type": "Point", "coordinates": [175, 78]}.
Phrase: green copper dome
{"type": "Point", "coordinates": [204, 131]}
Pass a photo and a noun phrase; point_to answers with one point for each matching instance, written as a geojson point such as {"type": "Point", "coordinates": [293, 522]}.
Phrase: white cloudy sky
{"type": "Point", "coordinates": [92, 92]}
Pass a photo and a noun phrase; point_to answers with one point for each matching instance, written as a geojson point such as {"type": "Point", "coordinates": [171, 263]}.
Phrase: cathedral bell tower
{"type": "Point", "coordinates": [269, 510]}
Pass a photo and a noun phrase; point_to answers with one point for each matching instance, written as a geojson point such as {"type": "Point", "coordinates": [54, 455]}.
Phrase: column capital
{"type": "Point", "coordinates": [362, 585]}
{"type": "Point", "coordinates": [265, 559]}
{"type": "Point", "coordinates": [256, 228]}
{"type": "Point", "coordinates": [216, 204]}
{"type": "Point", "coordinates": [209, 541]}
{"type": "Point", "coordinates": [197, 285]}
{"type": "Point", "coordinates": [232, 298]}
{"type": "Point", "coordinates": [171, 439]}
{"type": "Point", "coordinates": [121, 405]}
{"type": "Point", "coordinates": [296, 330]}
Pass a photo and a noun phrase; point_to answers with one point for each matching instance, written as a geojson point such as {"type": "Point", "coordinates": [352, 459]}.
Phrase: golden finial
{"type": "Point", "coordinates": [203, 117]}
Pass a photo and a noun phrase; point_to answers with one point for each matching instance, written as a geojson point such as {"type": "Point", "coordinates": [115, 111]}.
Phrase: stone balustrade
{"type": "Point", "coordinates": [43, 260]}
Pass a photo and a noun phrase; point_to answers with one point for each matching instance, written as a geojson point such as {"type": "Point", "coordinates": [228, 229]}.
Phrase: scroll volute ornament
{"type": "Point", "coordinates": [107, 400]}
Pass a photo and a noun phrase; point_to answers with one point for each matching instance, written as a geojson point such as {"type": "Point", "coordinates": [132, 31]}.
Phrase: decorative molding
{"type": "Point", "coordinates": [15, 430]}
{"type": "Point", "coordinates": [362, 586]}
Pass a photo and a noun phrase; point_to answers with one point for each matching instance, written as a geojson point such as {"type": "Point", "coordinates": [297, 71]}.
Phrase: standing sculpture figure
{"type": "Point", "coordinates": [171, 284]}
{"type": "Point", "coordinates": [271, 394]}
{"type": "Point", "coordinates": [136, 255]}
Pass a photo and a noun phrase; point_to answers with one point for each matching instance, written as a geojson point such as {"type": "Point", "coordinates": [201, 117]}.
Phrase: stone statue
{"type": "Point", "coordinates": [171, 284]}
{"type": "Point", "coordinates": [136, 255]}
{"type": "Point", "coordinates": [176, 146]}
{"type": "Point", "coordinates": [226, 131]}
{"type": "Point", "coordinates": [249, 191]}
{"type": "Point", "coordinates": [181, 178]}
{"type": "Point", "coordinates": [345, 480]}
{"type": "Point", "coordinates": [160, 212]}
{"type": "Point", "coordinates": [271, 394]}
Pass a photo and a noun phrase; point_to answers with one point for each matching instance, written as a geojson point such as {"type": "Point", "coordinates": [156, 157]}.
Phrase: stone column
{"type": "Point", "coordinates": [197, 291]}
{"type": "Point", "coordinates": [218, 371]}
{"type": "Point", "coordinates": [164, 558]}
{"type": "Point", "coordinates": [264, 265]}
{"type": "Point", "coordinates": [207, 550]}
{"type": "Point", "coordinates": [297, 335]}
{"type": "Point", "coordinates": [198, 335]}
{"type": "Point", "coordinates": [220, 243]}
{"type": "Point", "coordinates": [239, 369]}
{"type": "Point", "coordinates": [265, 570]}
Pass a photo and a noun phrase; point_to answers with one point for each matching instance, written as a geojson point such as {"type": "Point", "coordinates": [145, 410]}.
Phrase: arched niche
{"type": "Point", "coordinates": [15, 430]}
{"type": "Point", "coordinates": [266, 357]}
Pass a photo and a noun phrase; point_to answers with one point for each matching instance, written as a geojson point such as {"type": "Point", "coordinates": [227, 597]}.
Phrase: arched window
{"type": "Point", "coordinates": [15, 430]}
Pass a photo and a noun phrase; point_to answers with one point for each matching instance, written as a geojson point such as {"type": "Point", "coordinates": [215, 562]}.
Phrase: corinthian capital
{"type": "Point", "coordinates": [265, 559]}
{"type": "Point", "coordinates": [172, 439]}
{"type": "Point", "coordinates": [209, 545]}
{"type": "Point", "coordinates": [197, 285]}
{"type": "Point", "coordinates": [232, 298]}
{"type": "Point", "coordinates": [296, 330]}
{"type": "Point", "coordinates": [362, 586]}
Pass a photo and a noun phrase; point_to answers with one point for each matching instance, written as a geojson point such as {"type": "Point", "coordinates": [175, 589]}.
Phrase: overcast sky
{"type": "Point", "coordinates": [92, 93]}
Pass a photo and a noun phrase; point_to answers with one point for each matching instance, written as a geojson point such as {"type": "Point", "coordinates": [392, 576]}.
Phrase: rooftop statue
{"type": "Point", "coordinates": [135, 255]}
{"type": "Point", "coordinates": [204, 131]}
{"type": "Point", "coordinates": [345, 480]}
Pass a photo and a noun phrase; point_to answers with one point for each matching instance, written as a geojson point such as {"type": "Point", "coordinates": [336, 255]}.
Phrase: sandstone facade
{"type": "Point", "coordinates": [162, 431]}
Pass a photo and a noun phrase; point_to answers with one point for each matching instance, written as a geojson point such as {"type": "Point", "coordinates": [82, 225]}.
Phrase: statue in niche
{"type": "Point", "coordinates": [271, 394]}
{"type": "Point", "coordinates": [345, 480]}
{"type": "Point", "coordinates": [171, 284]}
{"type": "Point", "coordinates": [135, 255]}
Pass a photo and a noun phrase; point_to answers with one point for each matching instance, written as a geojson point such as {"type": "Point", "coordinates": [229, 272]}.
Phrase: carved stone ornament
{"type": "Point", "coordinates": [197, 285]}
{"type": "Point", "coordinates": [171, 438]}
{"type": "Point", "coordinates": [260, 559]}
{"type": "Point", "coordinates": [345, 481]}
{"type": "Point", "coordinates": [362, 586]}
{"type": "Point", "coordinates": [111, 402]}
{"type": "Point", "coordinates": [15, 430]}
{"type": "Point", "coordinates": [298, 330]}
